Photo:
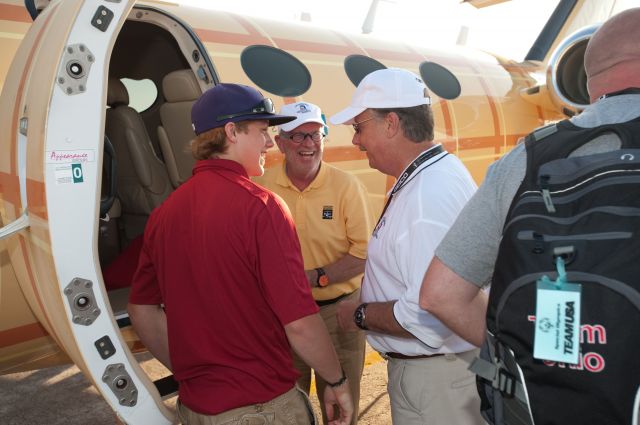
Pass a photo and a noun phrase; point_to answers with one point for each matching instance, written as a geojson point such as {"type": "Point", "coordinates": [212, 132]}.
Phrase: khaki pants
{"type": "Point", "coordinates": [434, 391]}
{"type": "Point", "coordinates": [290, 408]}
{"type": "Point", "coordinates": [350, 347]}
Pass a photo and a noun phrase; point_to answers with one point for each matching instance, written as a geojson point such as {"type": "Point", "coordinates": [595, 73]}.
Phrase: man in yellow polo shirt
{"type": "Point", "coordinates": [333, 219]}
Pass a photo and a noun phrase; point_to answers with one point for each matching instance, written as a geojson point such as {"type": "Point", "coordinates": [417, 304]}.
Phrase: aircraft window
{"type": "Point", "coordinates": [358, 66]}
{"type": "Point", "coordinates": [440, 80]}
{"type": "Point", "coordinates": [275, 70]}
{"type": "Point", "coordinates": [142, 93]}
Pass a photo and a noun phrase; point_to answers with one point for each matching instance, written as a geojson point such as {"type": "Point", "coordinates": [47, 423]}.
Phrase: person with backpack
{"type": "Point", "coordinates": [554, 230]}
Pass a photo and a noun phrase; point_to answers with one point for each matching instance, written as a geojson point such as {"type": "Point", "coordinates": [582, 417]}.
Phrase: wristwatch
{"type": "Point", "coordinates": [323, 279]}
{"type": "Point", "coordinates": [359, 316]}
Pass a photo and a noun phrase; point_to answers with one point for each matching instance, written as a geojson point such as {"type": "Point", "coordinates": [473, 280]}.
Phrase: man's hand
{"type": "Point", "coordinates": [339, 397]}
{"type": "Point", "coordinates": [346, 309]}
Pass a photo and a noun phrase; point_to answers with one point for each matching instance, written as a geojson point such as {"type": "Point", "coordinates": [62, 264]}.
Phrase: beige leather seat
{"type": "Point", "coordinates": [181, 90]}
{"type": "Point", "coordinates": [143, 182]}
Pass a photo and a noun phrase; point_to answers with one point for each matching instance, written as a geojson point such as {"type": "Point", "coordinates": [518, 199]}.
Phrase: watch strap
{"type": "Point", "coordinates": [339, 382]}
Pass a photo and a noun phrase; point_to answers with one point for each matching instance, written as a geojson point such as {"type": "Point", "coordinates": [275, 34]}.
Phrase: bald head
{"type": "Point", "coordinates": [612, 58]}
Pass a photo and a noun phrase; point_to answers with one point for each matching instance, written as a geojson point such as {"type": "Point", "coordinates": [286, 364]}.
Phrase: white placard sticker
{"type": "Point", "coordinates": [71, 173]}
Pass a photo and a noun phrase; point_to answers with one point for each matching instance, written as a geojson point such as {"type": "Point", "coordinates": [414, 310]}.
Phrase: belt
{"type": "Point", "coordinates": [405, 357]}
{"type": "Point", "coordinates": [322, 303]}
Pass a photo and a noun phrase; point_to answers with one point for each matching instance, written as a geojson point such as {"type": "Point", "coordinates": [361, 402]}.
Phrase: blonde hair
{"type": "Point", "coordinates": [214, 142]}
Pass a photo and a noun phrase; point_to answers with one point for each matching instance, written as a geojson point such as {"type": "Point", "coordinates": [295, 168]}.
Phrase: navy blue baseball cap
{"type": "Point", "coordinates": [232, 103]}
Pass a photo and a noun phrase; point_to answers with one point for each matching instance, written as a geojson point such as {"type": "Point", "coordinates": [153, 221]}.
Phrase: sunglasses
{"type": "Point", "coordinates": [264, 107]}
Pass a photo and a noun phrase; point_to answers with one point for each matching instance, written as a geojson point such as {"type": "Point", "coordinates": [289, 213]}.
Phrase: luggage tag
{"type": "Point", "coordinates": [557, 325]}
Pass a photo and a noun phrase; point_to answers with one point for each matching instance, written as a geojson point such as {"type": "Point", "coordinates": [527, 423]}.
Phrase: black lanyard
{"type": "Point", "coordinates": [404, 177]}
{"type": "Point", "coordinates": [630, 90]}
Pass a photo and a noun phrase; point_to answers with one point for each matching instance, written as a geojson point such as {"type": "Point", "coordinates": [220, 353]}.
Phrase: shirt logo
{"type": "Point", "coordinates": [327, 212]}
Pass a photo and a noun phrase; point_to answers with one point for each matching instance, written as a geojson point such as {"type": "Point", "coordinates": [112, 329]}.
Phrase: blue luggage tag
{"type": "Point", "coordinates": [557, 326]}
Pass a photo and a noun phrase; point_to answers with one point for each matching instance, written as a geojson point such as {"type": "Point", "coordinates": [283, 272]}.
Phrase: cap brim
{"type": "Point", "coordinates": [275, 119]}
{"type": "Point", "coordinates": [346, 116]}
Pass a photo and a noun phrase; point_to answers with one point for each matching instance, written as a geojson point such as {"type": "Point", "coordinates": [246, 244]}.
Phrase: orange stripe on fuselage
{"type": "Point", "coordinates": [492, 105]}
{"type": "Point", "coordinates": [252, 35]}
{"type": "Point", "coordinates": [10, 12]}
{"type": "Point", "coordinates": [10, 188]}
{"type": "Point", "coordinates": [22, 334]}
{"type": "Point", "coordinates": [37, 199]}
{"type": "Point", "coordinates": [448, 123]}
{"type": "Point", "coordinates": [313, 47]}
{"type": "Point", "coordinates": [211, 36]}
{"type": "Point", "coordinates": [10, 191]}
{"type": "Point", "coordinates": [348, 41]}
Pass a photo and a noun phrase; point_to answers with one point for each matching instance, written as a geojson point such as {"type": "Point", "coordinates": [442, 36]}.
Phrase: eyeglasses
{"type": "Point", "coordinates": [356, 125]}
{"type": "Point", "coordinates": [316, 136]}
{"type": "Point", "coordinates": [264, 107]}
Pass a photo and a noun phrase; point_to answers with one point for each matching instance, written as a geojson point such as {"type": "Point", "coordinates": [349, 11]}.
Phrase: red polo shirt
{"type": "Point", "coordinates": [222, 255]}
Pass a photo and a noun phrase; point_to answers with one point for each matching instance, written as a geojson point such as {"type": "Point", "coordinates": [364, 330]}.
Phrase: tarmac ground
{"type": "Point", "coordinates": [63, 396]}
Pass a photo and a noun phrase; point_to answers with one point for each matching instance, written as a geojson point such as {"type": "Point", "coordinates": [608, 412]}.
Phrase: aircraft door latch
{"type": "Point", "coordinates": [74, 69]}
{"type": "Point", "coordinates": [118, 379]}
{"type": "Point", "coordinates": [82, 301]}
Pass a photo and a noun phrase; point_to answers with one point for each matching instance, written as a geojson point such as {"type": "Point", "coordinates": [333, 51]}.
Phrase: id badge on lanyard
{"type": "Point", "coordinates": [557, 325]}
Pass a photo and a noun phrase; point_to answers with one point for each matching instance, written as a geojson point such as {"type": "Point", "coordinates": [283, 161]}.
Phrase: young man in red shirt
{"type": "Point", "coordinates": [220, 295]}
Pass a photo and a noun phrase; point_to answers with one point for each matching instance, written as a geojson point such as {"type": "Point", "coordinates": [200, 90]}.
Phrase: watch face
{"type": "Point", "coordinates": [323, 280]}
{"type": "Point", "coordinates": [358, 316]}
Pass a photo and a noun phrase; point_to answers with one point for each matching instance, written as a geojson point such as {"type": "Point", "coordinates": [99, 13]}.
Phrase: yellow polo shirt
{"type": "Point", "coordinates": [333, 217]}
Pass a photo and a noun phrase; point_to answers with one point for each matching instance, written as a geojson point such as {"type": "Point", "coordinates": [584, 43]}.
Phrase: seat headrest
{"type": "Point", "coordinates": [117, 93]}
{"type": "Point", "coordinates": [180, 86]}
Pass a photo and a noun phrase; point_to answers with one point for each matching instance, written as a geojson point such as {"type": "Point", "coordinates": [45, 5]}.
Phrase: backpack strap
{"type": "Point", "coordinates": [495, 371]}
{"type": "Point", "coordinates": [500, 378]}
{"type": "Point", "coordinates": [541, 132]}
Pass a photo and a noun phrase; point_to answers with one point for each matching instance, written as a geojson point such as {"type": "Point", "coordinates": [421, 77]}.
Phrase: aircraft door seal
{"type": "Point", "coordinates": [74, 69]}
{"type": "Point", "coordinates": [82, 301]}
{"type": "Point", "coordinates": [117, 378]}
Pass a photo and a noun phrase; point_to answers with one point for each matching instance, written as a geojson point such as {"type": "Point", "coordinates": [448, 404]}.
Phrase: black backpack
{"type": "Point", "coordinates": [585, 210]}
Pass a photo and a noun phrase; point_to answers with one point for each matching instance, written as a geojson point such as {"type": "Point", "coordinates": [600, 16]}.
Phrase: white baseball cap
{"type": "Point", "coordinates": [384, 88]}
{"type": "Point", "coordinates": [304, 112]}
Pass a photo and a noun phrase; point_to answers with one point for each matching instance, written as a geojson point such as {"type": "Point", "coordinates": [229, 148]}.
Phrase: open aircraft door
{"type": "Point", "coordinates": [51, 137]}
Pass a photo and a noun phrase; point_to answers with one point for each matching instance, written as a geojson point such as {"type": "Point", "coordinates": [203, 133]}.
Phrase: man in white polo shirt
{"type": "Point", "coordinates": [427, 364]}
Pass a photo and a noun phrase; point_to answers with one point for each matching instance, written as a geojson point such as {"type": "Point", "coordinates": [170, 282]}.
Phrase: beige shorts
{"type": "Point", "coordinates": [290, 408]}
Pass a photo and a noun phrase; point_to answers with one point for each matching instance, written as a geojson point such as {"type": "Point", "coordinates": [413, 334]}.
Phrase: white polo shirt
{"type": "Point", "coordinates": [402, 246]}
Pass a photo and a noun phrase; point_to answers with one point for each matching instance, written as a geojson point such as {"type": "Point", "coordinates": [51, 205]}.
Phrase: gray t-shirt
{"type": "Point", "coordinates": [471, 246]}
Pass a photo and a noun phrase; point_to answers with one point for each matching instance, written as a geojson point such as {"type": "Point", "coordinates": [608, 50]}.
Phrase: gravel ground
{"type": "Point", "coordinates": [63, 396]}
